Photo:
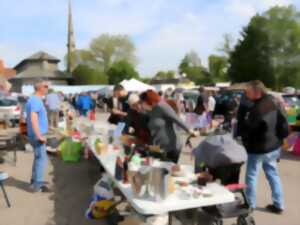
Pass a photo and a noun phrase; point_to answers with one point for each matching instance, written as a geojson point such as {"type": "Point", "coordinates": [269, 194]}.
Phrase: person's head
{"type": "Point", "coordinates": [41, 87]}
{"type": "Point", "coordinates": [119, 91]}
{"type": "Point", "coordinates": [161, 93]}
{"type": "Point", "coordinates": [255, 90]}
{"type": "Point", "coordinates": [149, 99]}
{"type": "Point", "coordinates": [201, 89]}
{"type": "Point", "coordinates": [134, 102]}
{"type": "Point", "coordinates": [210, 93]}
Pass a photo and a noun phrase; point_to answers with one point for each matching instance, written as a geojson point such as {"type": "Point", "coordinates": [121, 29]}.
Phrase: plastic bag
{"type": "Point", "coordinates": [70, 150]}
{"type": "Point", "coordinates": [102, 204]}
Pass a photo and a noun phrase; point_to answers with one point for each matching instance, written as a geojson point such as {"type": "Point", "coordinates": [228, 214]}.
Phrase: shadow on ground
{"type": "Point", "coordinates": [22, 185]}
{"type": "Point", "coordinates": [289, 156]}
{"type": "Point", "coordinates": [73, 187]}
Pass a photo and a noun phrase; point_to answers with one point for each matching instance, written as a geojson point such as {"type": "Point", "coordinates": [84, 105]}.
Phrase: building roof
{"type": "Point", "coordinates": [42, 56]}
{"type": "Point", "coordinates": [169, 81]}
{"type": "Point", "coordinates": [34, 72]}
{"type": "Point", "coordinates": [39, 56]}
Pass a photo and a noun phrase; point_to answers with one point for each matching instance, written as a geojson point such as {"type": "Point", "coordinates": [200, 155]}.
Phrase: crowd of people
{"type": "Point", "coordinates": [153, 119]}
{"type": "Point", "coordinates": [261, 124]}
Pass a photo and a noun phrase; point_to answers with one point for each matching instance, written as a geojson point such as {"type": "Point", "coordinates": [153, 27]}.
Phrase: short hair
{"type": "Point", "coordinates": [37, 83]}
{"type": "Point", "coordinates": [118, 87]}
{"type": "Point", "coordinates": [257, 85]}
{"type": "Point", "coordinates": [150, 97]}
{"type": "Point", "coordinates": [201, 89]}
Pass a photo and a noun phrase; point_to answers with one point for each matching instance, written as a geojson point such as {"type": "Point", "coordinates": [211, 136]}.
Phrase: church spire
{"type": "Point", "coordinates": [71, 40]}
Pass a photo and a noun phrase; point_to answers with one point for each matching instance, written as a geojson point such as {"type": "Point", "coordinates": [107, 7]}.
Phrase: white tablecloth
{"type": "Point", "coordinates": [172, 203]}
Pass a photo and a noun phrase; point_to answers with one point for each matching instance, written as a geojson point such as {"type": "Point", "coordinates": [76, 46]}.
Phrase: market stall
{"type": "Point", "coordinates": [171, 192]}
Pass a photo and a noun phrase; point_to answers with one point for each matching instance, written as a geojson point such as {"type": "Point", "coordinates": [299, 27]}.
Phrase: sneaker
{"type": "Point", "coordinates": [273, 209]}
{"type": "Point", "coordinates": [42, 189]}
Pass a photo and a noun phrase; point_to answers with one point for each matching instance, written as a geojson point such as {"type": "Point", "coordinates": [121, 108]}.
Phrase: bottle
{"type": "Point", "coordinates": [119, 173]}
{"type": "Point", "coordinates": [125, 170]}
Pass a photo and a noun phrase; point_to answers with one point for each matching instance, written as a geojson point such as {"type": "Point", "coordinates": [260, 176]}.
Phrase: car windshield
{"type": "Point", "coordinates": [292, 100]}
{"type": "Point", "coordinates": [7, 102]}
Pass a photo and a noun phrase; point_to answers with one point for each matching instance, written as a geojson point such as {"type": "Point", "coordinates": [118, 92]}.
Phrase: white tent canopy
{"type": "Point", "coordinates": [134, 85]}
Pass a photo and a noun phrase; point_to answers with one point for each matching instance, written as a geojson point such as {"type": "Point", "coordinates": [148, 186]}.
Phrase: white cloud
{"type": "Point", "coordinates": [247, 9]}
{"type": "Point", "coordinates": [241, 8]}
{"type": "Point", "coordinates": [269, 3]}
{"type": "Point", "coordinates": [163, 30]}
{"type": "Point", "coordinates": [166, 47]}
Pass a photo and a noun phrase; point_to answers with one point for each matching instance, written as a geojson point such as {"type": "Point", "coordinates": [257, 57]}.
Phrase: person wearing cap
{"type": "Point", "coordinates": [137, 120]}
{"type": "Point", "coordinates": [37, 128]}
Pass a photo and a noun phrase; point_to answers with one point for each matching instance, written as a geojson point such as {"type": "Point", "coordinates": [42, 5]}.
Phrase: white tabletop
{"type": "Point", "coordinates": [173, 202]}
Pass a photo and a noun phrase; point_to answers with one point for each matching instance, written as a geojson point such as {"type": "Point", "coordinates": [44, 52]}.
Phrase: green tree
{"type": "Point", "coordinates": [199, 75]}
{"type": "Point", "coordinates": [217, 66]}
{"type": "Point", "coordinates": [165, 74]}
{"type": "Point", "coordinates": [109, 49]}
{"type": "Point", "coordinates": [121, 70]}
{"type": "Point", "coordinates": [283, 29]}
{"type": "Point", "coordinates": [83, 57]}
{"type": "Point", "coordinates": [227, 46]}
{"type": "Point", "coordinates": [146, 80]}
{"type": "Point", "coordinates": [278, 31]}
{"type": "Point", "coordinates": [84, 75]}
{"type": "Point", "coordinates": [251, 58]}
{"type": "Point", "coordinates": [192, 68]}
{"type": "Point", "coordinates": [191, 59]}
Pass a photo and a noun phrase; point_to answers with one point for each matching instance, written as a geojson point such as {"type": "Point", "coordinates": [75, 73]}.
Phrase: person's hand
{"type": "Point", "coordinates": [154, 148]}
{"type": "Point", "coordinates": [42, 139]}
{"type": "Point", "coordinates": [194, 133]}
{"type": "Point", "coordinates": [131, 130]}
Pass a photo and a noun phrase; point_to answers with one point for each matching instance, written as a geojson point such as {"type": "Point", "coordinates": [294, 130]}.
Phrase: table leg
{"type": "Point", "coordinates": [5, 195]}
{"type": "Point", "coordinates": [15, 155]}
{"type": "Point", "coordinates": [170, 218]}
{"type": "Point", "coordinates": [14, 146]}
{"type": "Point", "coordinates": [195, 217]}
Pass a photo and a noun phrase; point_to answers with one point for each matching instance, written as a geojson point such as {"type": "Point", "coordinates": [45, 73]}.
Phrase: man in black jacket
{"type": "Point", "coordinates": [263, 129]}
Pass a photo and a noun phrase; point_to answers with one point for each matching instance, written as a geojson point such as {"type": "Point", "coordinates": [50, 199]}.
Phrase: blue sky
{"type": "Point", "coordinates": [162, 30]}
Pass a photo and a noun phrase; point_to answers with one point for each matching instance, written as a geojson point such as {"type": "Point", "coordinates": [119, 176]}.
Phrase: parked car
{"type": "Point", "coordinates": [225, 101]}
{"type": "Point", "coordinates": [10, 110]}
{"type": "Point", "coordinates": [291, 100]}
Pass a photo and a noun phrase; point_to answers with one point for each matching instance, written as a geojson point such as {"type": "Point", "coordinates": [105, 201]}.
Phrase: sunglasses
{"type": "Point", "coordinates": [46, 86]}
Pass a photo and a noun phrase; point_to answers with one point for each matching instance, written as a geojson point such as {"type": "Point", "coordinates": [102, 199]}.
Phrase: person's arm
{"type": "Point", "coordinates": [115, 109]}
{"type": "Point", "coordinates": [118, 112]}
{"type": "Point", "coordinates": [35, 127]}
{"type": "Point", "coordinates": [169, 113]}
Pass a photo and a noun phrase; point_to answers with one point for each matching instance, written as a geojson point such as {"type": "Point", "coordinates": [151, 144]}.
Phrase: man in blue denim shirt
{"type": "Point", "coordinates": [37, 128]}
{"type": "Point", "coordinates": [263, 129]}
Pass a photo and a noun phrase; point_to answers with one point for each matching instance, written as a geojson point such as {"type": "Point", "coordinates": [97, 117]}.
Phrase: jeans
{"type": "Point", "coordinates": [268, 162]}
{"type": "Point", "coordinates": [39, 163]}
{"type": "Point", "coordinates": [53, 118]}
{"type": "Point", "coordinates": [83, 112]}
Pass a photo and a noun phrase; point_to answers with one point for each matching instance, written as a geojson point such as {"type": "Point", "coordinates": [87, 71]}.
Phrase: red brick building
{"type": "Point", "coordinates": [6, 72]}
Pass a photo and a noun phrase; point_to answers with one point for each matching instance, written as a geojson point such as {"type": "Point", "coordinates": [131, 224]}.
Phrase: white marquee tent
{"type": "Point", "coordinates": [134, 85]}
